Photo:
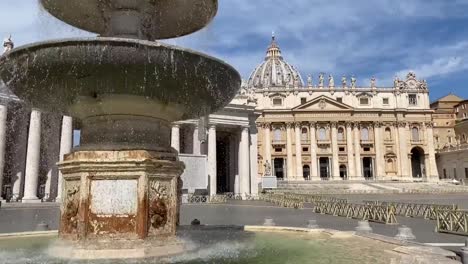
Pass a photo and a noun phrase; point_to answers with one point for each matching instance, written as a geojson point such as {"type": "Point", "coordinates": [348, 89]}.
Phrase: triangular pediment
{"type": "Point", "coordinates": [323, 103]}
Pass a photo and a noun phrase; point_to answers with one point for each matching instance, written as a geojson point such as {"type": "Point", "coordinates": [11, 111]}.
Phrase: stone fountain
{"type": "Point", "coordinates": [121, 186]}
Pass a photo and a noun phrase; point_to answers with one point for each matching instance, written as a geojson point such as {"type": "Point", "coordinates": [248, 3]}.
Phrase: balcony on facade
{"type": "Point", "coordinates": [367, 142]}
{"type": "Point", "coordinates": [417, 142]}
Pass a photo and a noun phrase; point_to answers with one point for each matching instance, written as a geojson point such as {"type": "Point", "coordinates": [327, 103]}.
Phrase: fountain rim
{"type": "Point", "coordinates": [64, 42]}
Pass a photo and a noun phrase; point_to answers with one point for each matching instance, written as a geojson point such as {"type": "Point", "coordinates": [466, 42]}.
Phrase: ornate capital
{"type": "Point", "coordinates": [333, 124]}
{"type": "Point", "coordinates": [429, 124]}
{"type": "Point", "coordinates": [312, 124]}
{"type": "Point", "coordinates": [378, 124]}
{"type": "Point", "coordinates": [266, 125]}
{"type": "Point", "coordinates": [297, 124]}
{"type": "Point", "coordinates": [401, 124]}
{"type": "Point", "coordinates": [289, 124]}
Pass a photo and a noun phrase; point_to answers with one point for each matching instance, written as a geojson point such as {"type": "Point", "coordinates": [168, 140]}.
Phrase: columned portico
{"type": "Point", "coordinates": [212, 159]}
{"type": "Point", "coordinates": [3, 126]}
{"type": "Point", "coordinates": [66, 142]}
{"type": "Point", "coordinates": [335, 163]}
{"type": "Point", "coordinates": [244, 157]}
{"type": "Point", "coordinates": [289, 152]}
{"type": "Point", "coordinates": [32, 159]}
{"type": "Point", "coordinates": [313, 152]}
{"type": "Point", "coordinates": [175, 137]}
{"type": "Point", "coordinates": [379, 147]}
{"type": "Point", "coordinates": [349, 146]}
{"type": "Point", "coordinates": [267, 142]}
{"type": "Point", "coordinates": [298, 144]}
{"type": "Point", "coordinates": [403, 146]}
{"type": "Point", "coordinates": [357, 153]}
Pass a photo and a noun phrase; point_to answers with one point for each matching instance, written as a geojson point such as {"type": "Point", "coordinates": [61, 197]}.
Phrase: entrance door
{"type": "Point", "coordinates": [343, 172]}
{"type": "Point", "coordinates": [279, 165]}
{"type": "Point", "coordinates": [367, 168]}
{"type": "Point", "coordinates": [222, 163]}
{"type": "Point", "coordinates": [417, 162]}
{"type": "Point", "coordinates": [324, 168]}
{"type": "Point", "coordinates": [306, 172]}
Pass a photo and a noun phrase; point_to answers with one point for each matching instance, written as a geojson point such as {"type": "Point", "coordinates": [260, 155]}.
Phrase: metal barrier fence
{"type": "Point", "coordinates": [384, 214]}
{"type": "Point", "coordinates": [452, 221]}
{"type": "Point", "coordinates": [282, 200]}
{"type": "Point", "coordinates": [308, 198]}
{"type": "Point", "coordinates": [427, 211]}
{"type": "Point", "coordinates": [199, 199]}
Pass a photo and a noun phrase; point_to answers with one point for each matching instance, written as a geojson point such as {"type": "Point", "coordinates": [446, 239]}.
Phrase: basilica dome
{"type": "Point", "coordinates": [274, 71]}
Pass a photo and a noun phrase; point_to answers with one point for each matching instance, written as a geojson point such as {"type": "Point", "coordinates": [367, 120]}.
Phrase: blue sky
{"type": "Point", "coordinates": [381, 38]}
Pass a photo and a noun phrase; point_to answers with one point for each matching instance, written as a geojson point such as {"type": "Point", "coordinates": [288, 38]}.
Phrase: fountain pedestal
{"type": "Point", "coordinates": [122, 196]}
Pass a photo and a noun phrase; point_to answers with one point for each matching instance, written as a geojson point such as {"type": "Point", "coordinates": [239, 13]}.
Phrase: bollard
{"type": "Point", "coordinates": [268, 222]}
{"type": "Point", "coordinates": [405, 233]}
{"type": "Point", "coordinates": [464, 252]}
{"type": "Point", "coordinates": [312, 224]}
{"type": "Point", "coordinates": [363, 226]}
{"type": "Point", "coordinates": [42, 226]}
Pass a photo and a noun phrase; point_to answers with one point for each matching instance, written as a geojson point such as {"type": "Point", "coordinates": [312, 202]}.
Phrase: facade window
{"type": "Point", "coordinates": [463, 107]}
{"type": "Point", "coordinates": [388, 134]}
{"type": "Point", "coordinates": [305, 149]}
{"type": "Point", "coordinates": [277, 134]}
{"type": "Point", "coordinates": [385, 101]}
{"type": "Point", "coordinates": [365, 134]}
{"type": "Point", "coordinates": [464, 115]}
{"type": "Point", "coordinates": [303, 100]}
{"type": "Point", "coordinates": [278, 150]}
{"type": "Point", "coordinates": [464, 138]}
{"type": "Point", "coordinates": [277, 101]}
{"type": "Point", "coordinates": [366, 149]}
{"type": "Point", "coordinates": [341, 135]}
{"type": "Point", "coordinates": [304, 134]}
{"type": "Point", "coordinates": [322, 134]}
{"type": "Point", "coordinates": [364, 101]}
{"type": "Point", "coordinates": [412, 99]}
{"type": "Point", "coordinates": [415, 134]}
{"type": "Point", "coordinates": [449, 139]}
{"type": "Point", "coordinates": [390, 165]}
{"type": "Point", "coordinates": [339, 99]}
{"type": "Point", "coordinates": [341, 149]}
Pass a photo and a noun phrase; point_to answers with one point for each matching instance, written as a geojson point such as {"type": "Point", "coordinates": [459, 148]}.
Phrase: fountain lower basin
{"type": "Point", "coordinates": [254, 244]}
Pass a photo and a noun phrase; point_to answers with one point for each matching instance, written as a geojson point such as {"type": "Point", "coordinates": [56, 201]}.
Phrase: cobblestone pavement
{"type": "Point", "coordinates": [21, 218]}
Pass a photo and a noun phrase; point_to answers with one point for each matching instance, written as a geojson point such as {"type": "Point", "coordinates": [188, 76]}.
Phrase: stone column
{"type": "Point", "coordinates": [253, 160]}
{"type": "Point", "coordinates": [175, 137]}
{"type": "Point", "coordinates": [299, 172]}
{"type": "Point", "coordinates": [66, 144]}
{"type": "Point", "coordinates": [289, 152]}
{"type": "Point", "coordinates": [196, 142]}
{"type": "Point", "coordinates": [244, 158]}
{"type": "Point", "coordinates": [349, 148]}
{"type": "Point", "coordinates": [3, 126]}
{"type": "Point", "coordinates": [313, 153]}
{"type": "Point", "coordinates": [357, 152]}
{"type": "Point", "coordinates": [335, 175]}
{"type": "Point", "coordinates": [32, 159]}
{"type": "Point", "coordinates": [379, 148]}
{"type": "Point", "coordinates": [403, 149]}
{"type": "Point", "coordinates": [267, 142]}
{"type": "Point", "coordinates": [212, 159]}
{"type": "Point", "coordinates": [431, 170]}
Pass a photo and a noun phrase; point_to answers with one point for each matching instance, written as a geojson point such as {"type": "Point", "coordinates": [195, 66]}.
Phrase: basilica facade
{"type": "Point", "coordinates": [324, 130]}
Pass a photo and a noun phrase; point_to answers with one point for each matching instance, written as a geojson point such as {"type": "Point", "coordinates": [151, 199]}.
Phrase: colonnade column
{"type": "Point", "coordinates": [299, 172]}
{"type": "Point", "coordinates": [349, 147]}
{"type": "Point", "coordinates": [431, 172]}
{"type": "Point", "coordinates": [244, 158]}
{"type": "Point", "coordinates": [253, 159]}
{"type": "Point", "coordinates": [196, 142]}
{"type": "Point", "coordinates": [378, 146]}
{"type": "Point", "coordinates": [267, 142]}
{"type": "Point", "coordinates": [175, 137]}
{"type": "Point", "coordinates": [66, 144]}
{"type": "Point", "coordinates": [289, 161]}
{"type": "Point", "coordinates": [212, 159]}
{"type": "Point", "coordinates": [3, 125]}
{"type": "Point", "coordinates": [357, 152]}
{"type": "Point", "coordinates": [32, 159]}
{"type": "Point", "coordinates": [313, 152]}
{"type": "Point", "coordinates": [403, 147]}
{"type": "Point", "coordinates": [335, 163]}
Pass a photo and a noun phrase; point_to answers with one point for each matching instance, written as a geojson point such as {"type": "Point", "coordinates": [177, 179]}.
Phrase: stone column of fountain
{"type": "Point", "coordinates": [120, 189]}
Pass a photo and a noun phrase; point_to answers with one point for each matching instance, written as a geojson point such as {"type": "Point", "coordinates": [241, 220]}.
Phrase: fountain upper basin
{"type": "Point", "coordinates": [146, 19]}
{"type": "Point", "coordinates": [56, 75]}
